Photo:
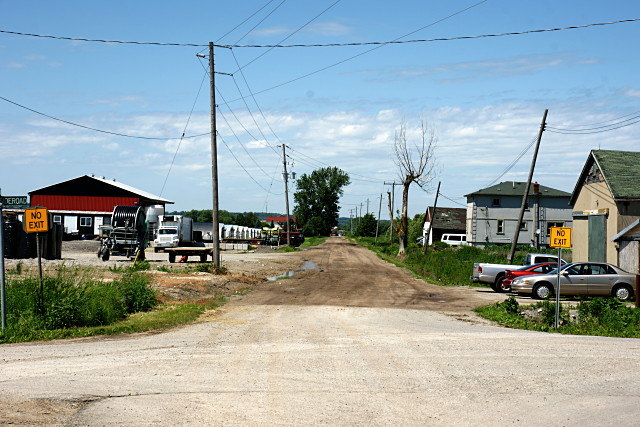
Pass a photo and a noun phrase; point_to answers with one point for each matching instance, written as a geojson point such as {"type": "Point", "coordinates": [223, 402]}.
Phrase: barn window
{"type": "Point", "coordinates": [57, 219]}
{"type": "Point", "coordinates": [86, 221]}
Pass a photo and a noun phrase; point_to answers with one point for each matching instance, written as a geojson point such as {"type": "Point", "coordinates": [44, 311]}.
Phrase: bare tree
{"type": "Point", "coordinates": [416, 164]}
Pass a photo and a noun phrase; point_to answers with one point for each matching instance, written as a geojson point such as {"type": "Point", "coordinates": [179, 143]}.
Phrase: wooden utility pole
{"type": "Point", "coordinates": [393, 196]}
{"type": "Point", "coordinates": [285, 175]}
{"type": "Point", "coordinates": [378, 223]}
{"type": "Point", "coordinates": [215, 235]}
{"type": "Point", "coordinates": [526, 189]}
{"type": "Point", "coordinates": [425, 242]}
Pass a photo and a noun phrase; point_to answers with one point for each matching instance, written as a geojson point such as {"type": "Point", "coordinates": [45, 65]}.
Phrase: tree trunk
{"type": "Point", "coordinates": [403, 229]}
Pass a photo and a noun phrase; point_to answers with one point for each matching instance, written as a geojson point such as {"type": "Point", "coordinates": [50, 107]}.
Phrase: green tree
{"type": "Point", "coordinates": [317, 196]}
{"type": "Point", "coordinates": [367, 226]}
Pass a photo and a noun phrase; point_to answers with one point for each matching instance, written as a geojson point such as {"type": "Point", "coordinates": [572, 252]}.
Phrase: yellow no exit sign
{"type": "Point", "coordinates": [36, 220]}
{"type": "Point", "coordinates": [560, 237]}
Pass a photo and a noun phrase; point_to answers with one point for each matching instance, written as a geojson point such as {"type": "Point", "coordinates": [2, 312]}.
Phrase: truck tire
{"type": "Point", "coordinates": [172, 257]}
{"type": "Point", "coordinates": [498, 284]}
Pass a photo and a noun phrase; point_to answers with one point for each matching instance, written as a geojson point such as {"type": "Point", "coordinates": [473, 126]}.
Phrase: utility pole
{"type": "Point", "coordinates": [526, 189]}
{"type": "Point", "coordinates": [425, 242]}
{"type": "Point", "coordinates": [214, 161]}
{"type": "Point", "coordinates": [393, 196]}
{"type": "Point", "coordinates": [367, 205]}
{"type": "Point", "coordinates": [286, 191]}
{"type": "Point", "coordinates": [378, 223]}
{"type": "Point", "coordinates": [215, 233]}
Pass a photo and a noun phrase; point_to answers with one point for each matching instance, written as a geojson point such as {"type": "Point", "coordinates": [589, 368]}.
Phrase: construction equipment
{"type": "Point", "coordinates": [126, 235]}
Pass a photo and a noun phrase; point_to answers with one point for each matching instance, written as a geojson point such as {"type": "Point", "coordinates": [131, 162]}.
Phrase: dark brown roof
{"type": "Point", "coordinates": [449, 218]}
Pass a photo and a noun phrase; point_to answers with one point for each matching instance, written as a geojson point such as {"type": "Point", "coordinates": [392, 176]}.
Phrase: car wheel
{"type": "Point", "coordinates": [499, 285]}
{"type": "Point", "coordinates": [542, 291]}
{"type": "Point", "coordinates": [623, 292]}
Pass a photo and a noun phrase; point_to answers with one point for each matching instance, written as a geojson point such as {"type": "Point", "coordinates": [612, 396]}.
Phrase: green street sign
{"type": "Point", "coordinates": [14, 202]}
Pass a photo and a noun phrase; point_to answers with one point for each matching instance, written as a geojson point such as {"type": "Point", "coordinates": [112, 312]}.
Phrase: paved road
{"type": "Point", "coordinates": [280, 356]}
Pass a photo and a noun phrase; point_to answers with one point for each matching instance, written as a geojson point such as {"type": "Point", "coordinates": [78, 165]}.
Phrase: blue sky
{"type": "Point", "coordinates": [333, 106]}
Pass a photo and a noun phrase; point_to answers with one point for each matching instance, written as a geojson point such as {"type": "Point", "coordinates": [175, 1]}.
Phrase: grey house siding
{"type": "Point", "coordinates": [489, 223]}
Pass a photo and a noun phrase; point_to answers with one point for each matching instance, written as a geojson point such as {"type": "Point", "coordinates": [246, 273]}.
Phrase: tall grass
{"type": "Point", "coordinates": [444, 264]}
{"type": "Point", "coordinates": [72, 299]}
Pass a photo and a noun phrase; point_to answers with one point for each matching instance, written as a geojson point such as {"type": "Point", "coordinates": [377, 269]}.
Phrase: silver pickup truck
{"type": "Point", "coordinates": [493, 274]}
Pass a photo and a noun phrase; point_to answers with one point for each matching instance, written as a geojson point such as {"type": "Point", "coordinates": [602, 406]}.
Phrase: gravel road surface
{"type": "Point", "coordinates": [354, 342]}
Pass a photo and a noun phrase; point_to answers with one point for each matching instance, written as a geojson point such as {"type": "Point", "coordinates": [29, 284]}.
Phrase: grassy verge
{"type": "Point", "coordinates": [443, 264]}
{"type": "Point", "coordinates": [599, 316]}
{"type": "Point", "coordinates": [77, 303]}
{"type": "Point", "coordinates": [314, 241]}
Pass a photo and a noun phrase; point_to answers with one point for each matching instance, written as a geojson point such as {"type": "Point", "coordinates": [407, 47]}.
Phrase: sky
{"type": "Point", "coordinates": [70, 107]}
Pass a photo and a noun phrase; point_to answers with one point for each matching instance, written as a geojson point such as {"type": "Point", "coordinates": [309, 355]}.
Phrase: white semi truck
{"type": "Point", "coordinates": [173, 231]}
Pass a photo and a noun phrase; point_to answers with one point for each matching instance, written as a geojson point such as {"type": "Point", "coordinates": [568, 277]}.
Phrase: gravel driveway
{"type": "Point", "coordinates": [293, 353]}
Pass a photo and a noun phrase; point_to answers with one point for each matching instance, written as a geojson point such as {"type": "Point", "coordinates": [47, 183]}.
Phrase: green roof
{"type": "Point", "coordinates": [621, 171]}
{"type": "Point", "coordinates": [516, 188]}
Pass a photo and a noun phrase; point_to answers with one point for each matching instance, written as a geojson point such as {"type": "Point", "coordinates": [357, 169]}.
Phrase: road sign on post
{"type": "Point", "coordinates": [36, 220]}
{"type": "Point", "coordinates": [560, 237]}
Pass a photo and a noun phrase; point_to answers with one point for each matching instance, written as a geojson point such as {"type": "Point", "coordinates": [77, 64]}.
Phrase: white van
{"type": "Point", "coordinates": [455, 239]}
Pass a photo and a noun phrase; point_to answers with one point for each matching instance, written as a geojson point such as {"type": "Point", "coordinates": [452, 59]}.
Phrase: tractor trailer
{"type": "Point", "coordinates": [173, 231]}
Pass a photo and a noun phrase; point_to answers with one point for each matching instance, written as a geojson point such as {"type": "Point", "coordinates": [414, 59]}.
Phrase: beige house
{"type": "Point", "coordinates": [605, 201]}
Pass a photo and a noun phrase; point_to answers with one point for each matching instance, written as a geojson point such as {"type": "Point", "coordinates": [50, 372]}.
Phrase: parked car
{"type": "Point", "coordinates": [527, 270]}
{"type": "Point", "coordinates": [579, 278]}
{"type": "Point", "coordinates": [494, 274]}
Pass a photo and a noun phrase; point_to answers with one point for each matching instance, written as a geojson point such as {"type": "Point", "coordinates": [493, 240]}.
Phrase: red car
{"type": "Point", "coordinates": [527, 270]}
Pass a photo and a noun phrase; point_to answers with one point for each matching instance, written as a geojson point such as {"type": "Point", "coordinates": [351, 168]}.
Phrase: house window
{"type": "Point", "coordinates": [500, 229]}
{"type": "Point", "coordinates": [553, 224]}
{"type": "Point", "coordinates": [85, 221]}
{"type": "Point", "coordinates": [523, 226]}
{"type": "Point", "coordinates": [57, 219]}
{"type": "Point", "coordinates": [495, 202]}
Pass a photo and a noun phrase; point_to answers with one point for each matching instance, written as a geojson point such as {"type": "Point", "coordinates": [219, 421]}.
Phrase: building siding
{"type": "Point", "coordinates": [82, 203]}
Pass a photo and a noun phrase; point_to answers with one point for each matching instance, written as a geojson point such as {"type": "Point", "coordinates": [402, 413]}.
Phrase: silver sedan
{"type": "Point", "coordinates": [579, 278]}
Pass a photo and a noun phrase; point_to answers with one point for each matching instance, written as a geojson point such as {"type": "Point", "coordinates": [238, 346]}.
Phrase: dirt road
{"type": "Point", "coordinates": [353, 342]}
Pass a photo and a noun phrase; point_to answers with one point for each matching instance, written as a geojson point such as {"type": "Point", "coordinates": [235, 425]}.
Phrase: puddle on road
{"type": "Point", "coordinates": [308, 265]}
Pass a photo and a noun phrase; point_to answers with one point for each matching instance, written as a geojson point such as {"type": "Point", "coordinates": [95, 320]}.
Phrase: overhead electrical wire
{"type": "Point", "coordinates": [183, 132]}
{"type": "Point", "coordinates": [101, 130]}
{"type": "Point", "coordinates": [270, 48]}
{"type": "Point", "coordinates": [598, 129]}
{"type": "Point", "coordinates": [261, 21]}
{"type": "Point", "coordinates": [241, 23]}
{"type": "Point", "coordinates": [514, 33]}
{"type": "Point", "coordinates": [243, 168]}
{"type": "Point", "coordinates": [514, 161]}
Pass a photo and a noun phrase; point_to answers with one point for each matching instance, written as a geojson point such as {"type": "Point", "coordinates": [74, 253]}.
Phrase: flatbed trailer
{"type": "Point", "coordinates": [200, 251]}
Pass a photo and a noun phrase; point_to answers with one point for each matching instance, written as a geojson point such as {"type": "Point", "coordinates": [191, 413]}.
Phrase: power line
{"type": "Point", "coordinates": [183, 132]}
{"type": "Point", "coordinates": [243, 168]}
{"type": "Point", "coordinates": [514, 161]}
{"type": "Point", "coordinates": [599, 129]}
{"type": "Point", "coordinates": [290, 35]}
{"type": "Point", "coordinates": [514, 33]}
{"type": "Point", "coordinates": [240, 24]}
{"type": "Point", "coordinates": [261, 21]}
{"type": "Point", "coordinates": [101, 130]}
{"type": "Point", "coordinates": [451, 200]}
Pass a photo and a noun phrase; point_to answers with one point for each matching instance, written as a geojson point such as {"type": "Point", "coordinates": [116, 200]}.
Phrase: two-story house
{"type": "Point", "coordinates": [492, 214]}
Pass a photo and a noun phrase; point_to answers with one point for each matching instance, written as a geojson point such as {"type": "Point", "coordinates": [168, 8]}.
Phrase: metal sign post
{"type": "Point", "coordinates": [560, 237]}
{"type": "Point", "coordinates": [558, 290]}
{"type": "Point", "coordinates": [3, 296]}
{"type": "Point", "coordinates": [36, 220]}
